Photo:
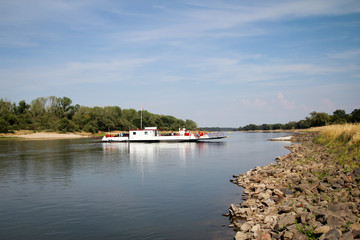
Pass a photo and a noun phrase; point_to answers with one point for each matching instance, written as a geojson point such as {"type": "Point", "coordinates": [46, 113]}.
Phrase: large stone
{"type": "Point", "coordinates": [333, 232]}
{"type": "Point", "coordinates": [355, 229]}
{"type": "Point", "coordinates": [335, 221]}
{"type": "Point", "coordinates": [322, 230]}
{"type": "Point", "coordinates": [285, 209]}
{"type": "Point", "coordinates": [287, 235]}
{"type": "Point", "coordinates": [269, 202]}
{"type": "Point", "coordinates": [240, 236]}
{"type": "Point", "coordinates": [265, 236]}
{"type": "Point", "coordinates": [246, 227]}
{"type": "Point", "coordinates": [285, 221]}
{"type": "Point", "coordinates": [347, 236]}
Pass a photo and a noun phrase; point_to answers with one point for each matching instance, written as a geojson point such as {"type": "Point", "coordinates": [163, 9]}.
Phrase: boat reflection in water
{"type": "Point", "coordinates": [153, 155]}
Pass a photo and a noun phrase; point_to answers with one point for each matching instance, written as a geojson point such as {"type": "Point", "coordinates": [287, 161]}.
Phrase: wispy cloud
{"type": "Point", "coordinates": [350, 54]}
{"type": "Point", "coordinates": [73, 73]}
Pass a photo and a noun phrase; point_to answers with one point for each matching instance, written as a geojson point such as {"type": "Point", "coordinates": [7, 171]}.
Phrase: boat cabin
{"type": "Point", "coordinates": [144, 134]}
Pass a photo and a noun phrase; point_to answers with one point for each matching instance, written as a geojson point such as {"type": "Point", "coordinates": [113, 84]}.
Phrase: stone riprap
{"type": "Point", "coordinates": [304, 195]}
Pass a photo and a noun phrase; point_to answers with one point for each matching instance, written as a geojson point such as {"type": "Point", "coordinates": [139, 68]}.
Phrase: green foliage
{"type": "Point", "coordinates": [58, 114]}
{"type": "Point", "coordinates": [4, 126]}
{"type": "Point", "coordinates": [307, 231]}
{"type": "Point", "coordinates": [355, 116]}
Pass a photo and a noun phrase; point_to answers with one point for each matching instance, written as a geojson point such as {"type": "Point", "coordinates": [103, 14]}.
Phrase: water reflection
{"type": "Point", "coordinates": [146, 157]}
{"type": "Point", "coordinates": [150, 151]}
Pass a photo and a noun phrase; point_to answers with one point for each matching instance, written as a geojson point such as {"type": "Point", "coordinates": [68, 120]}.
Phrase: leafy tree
{"type": "Point", "coordinates": [66, 125]}
{"type": "Point", "coordinates": [190, 124]}
{"type": "Point", "coordinates": [339, 117]}
{"type": "Point", "coordinates": [302, 124]}
{"type": "Point", "coordinates": [355, 115]}
{"type": "Point", "coordinates": [319, 119]}
{"type": "Point", "coordinates": [37, 107]}
{"type": "Point", "coordinates": [4, 126]}
{"type": "Point", "coordinates": [23, 107]}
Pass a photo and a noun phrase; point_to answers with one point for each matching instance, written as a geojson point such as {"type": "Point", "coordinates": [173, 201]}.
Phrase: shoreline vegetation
{"type": "Point", "coordinates": [311, 193]}
{"type": "Point", "coordinates": [60, 115]}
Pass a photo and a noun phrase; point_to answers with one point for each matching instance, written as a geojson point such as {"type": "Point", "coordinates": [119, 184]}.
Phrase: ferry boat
{"type": "Point", "coordinates": [152, 134]}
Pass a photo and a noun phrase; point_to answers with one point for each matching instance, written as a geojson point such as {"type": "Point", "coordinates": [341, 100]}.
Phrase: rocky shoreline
{"type": "Point", "coordinates": [304, 195]}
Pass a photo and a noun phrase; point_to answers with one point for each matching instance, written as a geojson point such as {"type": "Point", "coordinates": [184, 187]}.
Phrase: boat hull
{"type": "Point", "coordinates": [161, 139]}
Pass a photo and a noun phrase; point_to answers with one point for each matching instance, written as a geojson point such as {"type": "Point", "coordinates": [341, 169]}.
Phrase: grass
{"type": "Point", "coordinates": [307, 231]}
{"type": "Point", "coordinates": [343, 142]}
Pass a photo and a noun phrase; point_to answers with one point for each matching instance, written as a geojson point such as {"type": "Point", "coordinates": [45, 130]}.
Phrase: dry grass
{"type": "Point", "coordinates": [343, 142]}
{"type": "Point", "coordinates": [347, 133]}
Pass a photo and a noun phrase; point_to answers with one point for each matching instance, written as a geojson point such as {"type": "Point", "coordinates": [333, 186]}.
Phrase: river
{"type": "Point", "coordinates": [85, 189]}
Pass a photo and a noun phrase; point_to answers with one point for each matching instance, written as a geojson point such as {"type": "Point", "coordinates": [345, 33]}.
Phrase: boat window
{"type": "Point", "coordinates": [146, 133]}
{"type": "Point", "coordinates": [134, 133]}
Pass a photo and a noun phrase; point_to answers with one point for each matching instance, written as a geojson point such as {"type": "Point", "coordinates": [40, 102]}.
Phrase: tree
{"type": "Point", "coordinates": [37, 107]}
{"type": "Point", "coordinates": [66, 125]}
{"type": "Point", "coordinates": [302, 124]}
{"type": "Point", "coordinates": [319, 119]}
{"type": "Point", "coordinates": [355, 115]}
{"type": "Point", "coordinates": [4, 126]}
{"type": "Point", "coordinates": [23, 107]}
{"type": "Point", "coordinates": [190, 124]}
{"type": "Point", "coordinates": [339, 117]}
{"type": "Point", "coordinates": [64, 107]}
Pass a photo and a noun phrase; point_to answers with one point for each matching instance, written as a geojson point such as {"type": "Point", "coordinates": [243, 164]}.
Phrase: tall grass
{"type": "Point", "coordinates": [343, 141]}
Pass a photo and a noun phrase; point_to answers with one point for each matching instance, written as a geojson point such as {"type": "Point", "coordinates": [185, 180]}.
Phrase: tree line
{"type": "Point", "coordinates": [316, 119]}
{"type": "Point", "coordinates": [59, 114]}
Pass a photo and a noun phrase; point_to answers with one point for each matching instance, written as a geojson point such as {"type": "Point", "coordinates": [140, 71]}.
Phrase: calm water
{"type": "Point", "coordinates": [85, 189]}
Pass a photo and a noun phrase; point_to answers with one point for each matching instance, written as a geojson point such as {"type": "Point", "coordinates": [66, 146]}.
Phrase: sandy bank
{"type": "Point", "coordinates": [27, 135]}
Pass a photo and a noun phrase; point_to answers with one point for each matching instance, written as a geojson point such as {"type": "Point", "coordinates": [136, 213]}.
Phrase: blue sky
{"type": "Point", "coordinates": [219, 63]}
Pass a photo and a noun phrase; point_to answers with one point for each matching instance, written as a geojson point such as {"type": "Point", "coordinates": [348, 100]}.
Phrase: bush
{"type": "Point", "coordinates": [4, 126]}
{"type": "Point", "coordinates": [89, 127]}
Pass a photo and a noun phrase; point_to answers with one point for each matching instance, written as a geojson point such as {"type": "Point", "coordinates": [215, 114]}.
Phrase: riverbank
{"type": "Point", "coordinates": [30, 135]}
{"type": "Point", "coordinates": [307, 194]}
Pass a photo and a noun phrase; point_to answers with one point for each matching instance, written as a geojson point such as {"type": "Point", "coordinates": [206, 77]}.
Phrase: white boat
{"type": "Point", "coordinates": [152, 134]}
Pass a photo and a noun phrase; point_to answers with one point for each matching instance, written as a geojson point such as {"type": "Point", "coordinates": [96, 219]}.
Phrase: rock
{"type": "Point", "coordinates": [284, 209]}
{"type": "Point", "coordinates": [322, 187]}
{"type": "Point", "coordinates": [299, 236]}
{"type": "Point", "coordinates": [269, 202]}
{"type": "Point", "coordinates": [285, 221]}
{"type": "Point", "coordinates": [278, 193]}
{"type": "Point", "coordinates": [303, 217]}
{"type": "Point", "coordinates": [347, 236]}
{"type": "Point", "coordinates": [270, 220]}
{"type": "Point", "coordinates": [355, 229]}
{"type": "Point", "coordinates": [265, 236]}
{"type": "Point", "coordinates": [246, 227]}
{"type": "Point", "coordinates": [287, 191]}
{"type": "Point", "coordinates": [322, 230]}
{"type": "Point", "coordinates": [334, 221]}
{"type": "Point", "coordinates": [333, 232]}
{"type": "Point", "coordinates": [287, 235]}
{"type": "Point", "coordinates": [240, 236]}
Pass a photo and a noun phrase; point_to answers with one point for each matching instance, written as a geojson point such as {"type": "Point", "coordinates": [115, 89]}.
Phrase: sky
{"type": "Point", "coordinates": [224, 63]}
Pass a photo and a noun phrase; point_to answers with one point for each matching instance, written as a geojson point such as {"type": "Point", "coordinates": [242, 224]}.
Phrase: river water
{"type": "Point", "coordinates": [85, 189]}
